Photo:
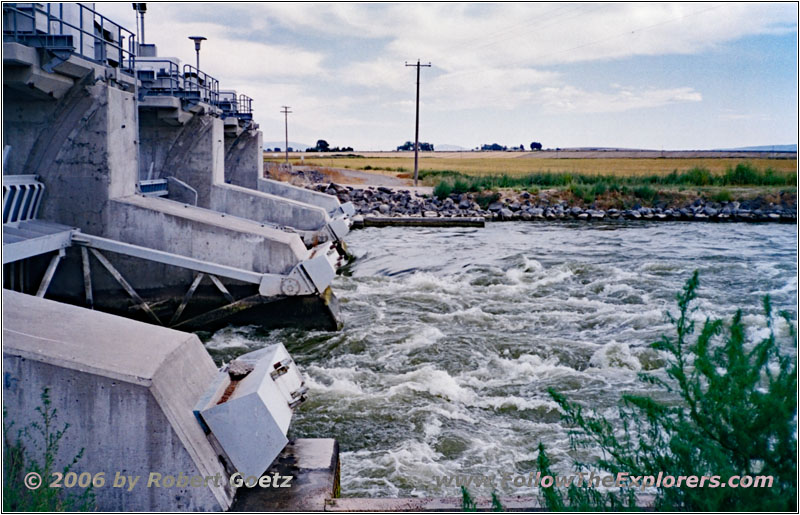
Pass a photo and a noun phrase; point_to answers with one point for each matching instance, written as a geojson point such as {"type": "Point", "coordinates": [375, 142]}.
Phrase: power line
{"type": "Point", "coordinates": [416, 133]}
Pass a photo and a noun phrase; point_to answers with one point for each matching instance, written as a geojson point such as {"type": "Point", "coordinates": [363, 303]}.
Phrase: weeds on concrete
{"type": "Point", "coordinates": [40, 458]}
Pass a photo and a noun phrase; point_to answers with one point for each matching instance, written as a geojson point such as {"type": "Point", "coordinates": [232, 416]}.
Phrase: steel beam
{"type": "Point", "coordinates": [87, 277]}
{"type": "Point", "coordinates": [168, 258]}
{"type": "Point", "coordinates": [49, 273]}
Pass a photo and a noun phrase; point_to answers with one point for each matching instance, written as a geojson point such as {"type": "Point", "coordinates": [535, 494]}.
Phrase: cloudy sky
{"type": "Point", "coordinates": [635, 75]}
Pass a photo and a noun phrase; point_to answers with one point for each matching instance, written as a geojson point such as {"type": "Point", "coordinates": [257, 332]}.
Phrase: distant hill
{"type": "Point", "coordinates": [449, 148]}
{"type": "Point", "coordinates": [269, 145]}
{"type": "Point", "coordinates": [765, 148]}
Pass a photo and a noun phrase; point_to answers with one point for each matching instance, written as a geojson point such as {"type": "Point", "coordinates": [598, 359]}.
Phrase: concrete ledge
{"type": "Point", "coordinates": [22, 72]}
{"type": "Point", "coordinates": [204, 234]}
{"type": "Point", "coordinates": [264, 207]}
{"type": "Point", "coordinates": [313, 464]}
{"type": "Point", "coordinates": [410, 221]}
{"type": "Point", "coordinates": [282, 189]}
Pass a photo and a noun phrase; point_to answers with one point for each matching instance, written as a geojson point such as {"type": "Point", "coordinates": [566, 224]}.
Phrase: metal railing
{"type": "Point", "coordinates": [228, 102]}
{"type": "Point", "coordinates": [58, 25]}
{"type": "Point", "coordinates": [236, 105]}
{"type": "Point", "coordinates": [199, 83]}
{"type": "Point", "coordinates": [22, 195]}
{"type": "Point", "coordinates": [245, 105]}
{"type": "Point", "coordinates": [164, 77]}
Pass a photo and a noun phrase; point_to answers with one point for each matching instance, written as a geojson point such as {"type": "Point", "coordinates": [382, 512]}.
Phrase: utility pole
{"type": "Point", "coordinates": [286, 112]}
{"type": "Point", "coordinates": [416, 133]}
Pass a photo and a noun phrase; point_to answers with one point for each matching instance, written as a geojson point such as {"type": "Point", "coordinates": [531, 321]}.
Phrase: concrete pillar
{"type": "Point", "coordinates": [193, 152]}
{"type": "Point", "coordinates": [82, 146]}
{"type": "Point", "coordinates": [244, 158]}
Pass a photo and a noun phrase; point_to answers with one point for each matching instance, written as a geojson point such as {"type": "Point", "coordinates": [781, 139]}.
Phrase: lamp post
{"type": "Point", "coordinates": [197, 40]}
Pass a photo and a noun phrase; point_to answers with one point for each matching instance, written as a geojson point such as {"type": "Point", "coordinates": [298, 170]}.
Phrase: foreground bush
{"type": "Point", "coordinates": [731, 412]}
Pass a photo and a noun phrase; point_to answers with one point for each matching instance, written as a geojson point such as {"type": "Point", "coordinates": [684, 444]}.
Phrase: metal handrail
{"type": "Point", "coordinates": [169, 73]}
{"type": "Point", "coordinates": [228, 102]}
{"type": "Point", "coordinates": [235, 105]}
{"type": "Point", "coordinates": [245, 104]}
{"type": "Point", "coordinates": [114, 44]}
{"type": "Point", "coordinates": [200, 81]}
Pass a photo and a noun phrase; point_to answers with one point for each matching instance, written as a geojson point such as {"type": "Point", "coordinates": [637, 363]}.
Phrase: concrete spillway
{"type": "Point", "coordinates": [175, 169]}
{"type": "Point", "coordinates": [213, 157]}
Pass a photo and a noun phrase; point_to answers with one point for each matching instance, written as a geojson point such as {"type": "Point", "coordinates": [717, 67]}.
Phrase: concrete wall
{"type": "Point", "coordinates": [263, 207]}
{"type": "Point", "coordinates": [244, 159]}
{"type": "Point", "coordinates": [286, 190]}
{"type": "Point", "coordinates": [83, 147]}
{"type": "Point", "coordinates": [127, 391]}
{"type": "Point", "coordinates": [193, 152]}
{"type": "Point", "coordinates": [204, 234]}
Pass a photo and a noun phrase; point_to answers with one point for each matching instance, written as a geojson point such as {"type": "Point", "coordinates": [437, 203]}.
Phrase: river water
{"type": "Point", "coordinates": [452, 337]}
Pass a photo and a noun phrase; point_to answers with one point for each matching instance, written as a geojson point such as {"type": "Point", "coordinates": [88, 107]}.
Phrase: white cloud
{"type": "Point", "coordinates": [340, 65]}
{"type": "Point", "coordinates": [571, 99]}
{"type": "Point", "coordinates": [459, 35]}
{"type": "Point", "coordinates": [488, 87]}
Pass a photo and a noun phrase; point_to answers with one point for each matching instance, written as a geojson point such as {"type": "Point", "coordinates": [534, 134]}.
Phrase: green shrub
{"type": "Point", "coordinates": [18, 461]}
{"type": "Point", "coordinates": [461, 186]}
{"type": "Point", "coordinates": [485, 199]}
{"type": "Point", "coordinates": [696, 177]}
{"type": "Point", "coordinates": [442, 190]}
{"type": "Point", "coordinates": [743, 174]}
{"type": "Point", "coordinates": [583, 192]}
{"type": "Point", "coordinates": [645, 193]}
{"type": "Point", "coordinates": [599, 189]}
{"type": "Point", "coordinates": [726, 407]}
{"type": "Point", "coordinates": [722, 196]}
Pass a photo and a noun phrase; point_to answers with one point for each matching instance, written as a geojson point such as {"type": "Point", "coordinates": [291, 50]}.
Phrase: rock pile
{"type": "Point", "coordinates": [382, 201]}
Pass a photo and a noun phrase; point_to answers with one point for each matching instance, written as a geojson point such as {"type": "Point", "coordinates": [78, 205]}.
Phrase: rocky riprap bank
{"type": "Point", "coordinates": [382, 201]}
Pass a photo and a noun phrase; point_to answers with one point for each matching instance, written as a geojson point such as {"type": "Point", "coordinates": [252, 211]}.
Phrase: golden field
{"type": "Point", "coordinates": [478, 163]}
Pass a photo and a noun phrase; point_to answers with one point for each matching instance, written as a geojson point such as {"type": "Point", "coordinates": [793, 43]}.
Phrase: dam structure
{"type": "Point", "coordinates": [133, 211]}
{"type": "Point", "coordinates": [144, 151]}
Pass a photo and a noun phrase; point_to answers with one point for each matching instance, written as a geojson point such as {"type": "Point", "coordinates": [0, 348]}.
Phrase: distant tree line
{"type": "Point", "coordinates": [423, 146]}
{"type": "Point", "coordinates": [496, 146]}
{"type": "Point", "coordinates": [323, 146]}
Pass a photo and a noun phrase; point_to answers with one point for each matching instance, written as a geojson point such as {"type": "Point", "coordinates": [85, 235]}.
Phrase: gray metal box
{"type": "Point", "coordinates": [250, 417]}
